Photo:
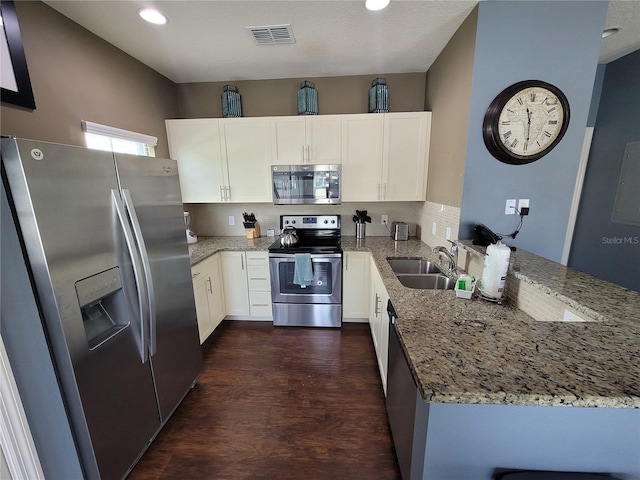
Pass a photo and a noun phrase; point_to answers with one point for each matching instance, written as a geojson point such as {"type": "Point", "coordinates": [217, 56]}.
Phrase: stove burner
{"type": "Point", "coordinates": [316, 234]}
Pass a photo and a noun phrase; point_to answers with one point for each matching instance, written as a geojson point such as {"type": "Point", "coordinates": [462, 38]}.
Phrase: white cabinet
{"type": "Point", "coordinates": [362, 149]}
{"type": "Point", "coordinates": [246, 147]}
{"type": "Point", "coordinates": [379, 322]}
{"type": "Point", "coordinates": [207, 288]}
{"type": "Point", "coordinates": [385, 156]}
{"type": "Point", "coordinates": [406, 156]}
{"type": "Point", "coordinates": [356, 286]}
{"type": "Point", "coordinates": [259, 285]}
{"type": "Point", "coordinates": [222, 160]}
{"type": "Point", "coordinates": [234, 280]}
{"type": "Point", "coordinates": [195, 144]}
{"type": "Point", "coordinates": [312, 139]}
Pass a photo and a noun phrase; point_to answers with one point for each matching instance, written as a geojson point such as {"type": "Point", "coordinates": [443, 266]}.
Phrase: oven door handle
{"type": "Point", "coordinates": [291, 256]}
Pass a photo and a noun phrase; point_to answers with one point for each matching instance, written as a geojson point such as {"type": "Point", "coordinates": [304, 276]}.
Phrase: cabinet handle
{"type": "Point", "coordinates": [259, 304]}
{"type": "Point", "coordinates": [346, 262]}
{"type": "Point", "coordinates": [197, 274]}
{"type": "Point", "coordinates": [308, 154]}
{"type": "Point", "coordinates": [384, 191]}
{"type": "Point", "coordinates": [379, 191]}
{"type": "Point", "coordinates": [210, 286]}
{"type": "Point", "coordinates": [221, 194]}
{"type": "Point", "coordinates": [228, 194]}
{"type": "Point", "coordinates": [376, 310]}
{"type": "Point", "coordinates": [302, 154]}
{"type": "Point", "coordinates": [242, 261]}
{"type": "Point", "coordinates": [257, 278]}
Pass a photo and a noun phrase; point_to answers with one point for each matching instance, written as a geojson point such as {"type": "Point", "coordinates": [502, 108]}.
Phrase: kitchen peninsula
{"type": "Point", "coordinates": [499, 389]}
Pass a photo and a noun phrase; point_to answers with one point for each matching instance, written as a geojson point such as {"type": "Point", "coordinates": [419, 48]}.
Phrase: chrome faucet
{"type": "Point", "coordinates": [451, 255]}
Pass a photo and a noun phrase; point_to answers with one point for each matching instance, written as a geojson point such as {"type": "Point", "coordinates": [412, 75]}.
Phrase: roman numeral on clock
{"type": "Point", "coordinates": [507, 134]}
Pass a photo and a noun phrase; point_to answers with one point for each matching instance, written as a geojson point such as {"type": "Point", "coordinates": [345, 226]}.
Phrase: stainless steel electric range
{"type": "Point", "coordinates": [320, 303]}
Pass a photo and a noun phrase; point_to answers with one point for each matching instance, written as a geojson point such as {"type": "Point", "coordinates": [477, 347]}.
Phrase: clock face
{"type": "Point", "coordinates": [525, 122]}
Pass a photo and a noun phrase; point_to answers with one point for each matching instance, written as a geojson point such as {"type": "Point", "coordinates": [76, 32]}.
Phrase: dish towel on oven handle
{"type": "Point", "coordinates": [303, 270]}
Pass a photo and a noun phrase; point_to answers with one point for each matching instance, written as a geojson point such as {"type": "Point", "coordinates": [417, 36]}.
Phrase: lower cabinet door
{"type": "Point", "coordinates": [209, 298]}
{"type": "Point", "coordinates": [234, 279]}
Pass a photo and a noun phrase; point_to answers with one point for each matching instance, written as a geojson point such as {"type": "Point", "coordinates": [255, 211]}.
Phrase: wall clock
{"type": "Point", "coordinates": [525, 122]}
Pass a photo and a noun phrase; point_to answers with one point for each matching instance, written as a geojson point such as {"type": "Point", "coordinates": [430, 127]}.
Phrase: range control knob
{"type": "Point", "coordinates": [326, 221]}
{"type": "Point", "coordinates": [286, 222]}
{"type": "Point", "coordinates": [293, 221]}
{"type": "Point", "coordinates": [333, 221]}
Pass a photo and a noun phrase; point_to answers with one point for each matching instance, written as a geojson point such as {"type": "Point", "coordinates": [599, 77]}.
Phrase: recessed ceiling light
{"type": "Point", "coordinates": [376, 4]}
{"type": "Point", "coordinates": [610, 31]}
{"type": "Point", "coordinates": [152, 15]}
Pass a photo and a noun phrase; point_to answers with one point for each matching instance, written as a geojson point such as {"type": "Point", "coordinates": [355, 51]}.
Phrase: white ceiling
{"type": "Point", "coordinates": [206, 40]}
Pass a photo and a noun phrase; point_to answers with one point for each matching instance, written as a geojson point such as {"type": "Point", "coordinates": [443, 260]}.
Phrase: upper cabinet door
{"type": "Point", "coordinates": [406, 150]}
{"type": "Point", "coordinates": [288, 143]}
{"type": "Point", "coordinates": [195, 144]}
{"type": "Point", "coordinates": [362, 149]}
{"type": "Point", "coordinates": [324, 139]}
{"type": "Point", "coordinates": [247, 151]}
{"type": "Point", "coordinates": [306, 139]}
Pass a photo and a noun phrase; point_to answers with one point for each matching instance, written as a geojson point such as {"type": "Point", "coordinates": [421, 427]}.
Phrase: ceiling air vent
{"type": "Point", "coordinates": [272, 34]}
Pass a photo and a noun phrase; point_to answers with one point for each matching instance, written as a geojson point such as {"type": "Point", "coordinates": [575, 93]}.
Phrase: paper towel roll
{"type": "Point", "coordinates": [494, 273]}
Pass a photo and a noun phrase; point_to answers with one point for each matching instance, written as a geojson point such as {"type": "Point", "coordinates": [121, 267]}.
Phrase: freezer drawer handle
{"type": "Point", "coordinates": [146, 265]}
{"type": "Point", "coordinates": [137, 270]}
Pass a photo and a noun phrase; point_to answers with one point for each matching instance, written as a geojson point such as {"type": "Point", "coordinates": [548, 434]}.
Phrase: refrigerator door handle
{"type": "Point", "coordinates": [137, 269]}
{"type": "Point", "coordinates": [126, 194]}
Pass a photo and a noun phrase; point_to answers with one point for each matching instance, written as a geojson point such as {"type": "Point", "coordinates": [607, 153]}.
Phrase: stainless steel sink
{"type": "Point", "coordinates": [431, 281]}
{"type": "Point", "coordinates": [412, 266]}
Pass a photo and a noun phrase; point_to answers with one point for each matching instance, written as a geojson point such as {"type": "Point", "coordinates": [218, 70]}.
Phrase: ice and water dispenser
{"type": "Point", "coordinates": [102, 302]}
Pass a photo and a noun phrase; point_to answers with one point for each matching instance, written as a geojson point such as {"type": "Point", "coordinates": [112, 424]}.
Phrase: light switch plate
{"type": "Point", "coordinates": [448, 235]}
{"type": "Point", "coordinates": [232, 220]}
{"type": "Point", "coordinates": [510, 207]}
{"type": "Point", "coordinates": [434, 228]}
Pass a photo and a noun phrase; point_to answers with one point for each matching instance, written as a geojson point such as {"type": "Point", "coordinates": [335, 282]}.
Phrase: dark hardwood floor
{"type": "Point", "coordinates": [279, 403]}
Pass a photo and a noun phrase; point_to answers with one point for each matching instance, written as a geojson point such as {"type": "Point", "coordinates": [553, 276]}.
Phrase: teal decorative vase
{"type": "Point", "coordinates": [307, 99]}
{"type": "Point", "coordinates": [231, 102]}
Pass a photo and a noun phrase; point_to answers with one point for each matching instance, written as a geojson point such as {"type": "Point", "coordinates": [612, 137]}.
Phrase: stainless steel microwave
{"type": "Point", "coordinates": [306, 184]}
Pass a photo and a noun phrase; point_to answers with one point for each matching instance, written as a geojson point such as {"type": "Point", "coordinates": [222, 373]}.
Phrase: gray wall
{"type": "Point", "coordinates": [336, 95]}
{"type": "Point", "coordinates": [473, 441]}
{"type": "Point", "coordinates": [617, 123]}
{"type": "Point", "coordinates": [77, 76]}
{"type": "Point", "coordinates": [560, 44]}
{"type": "Point", "coordinates": [448, 95]}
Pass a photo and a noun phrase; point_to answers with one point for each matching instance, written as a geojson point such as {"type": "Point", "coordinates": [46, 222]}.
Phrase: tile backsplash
{"type": "Point", "coordinates": [212, 219]}
{"type": "Point", "coordinates": [444, 216]}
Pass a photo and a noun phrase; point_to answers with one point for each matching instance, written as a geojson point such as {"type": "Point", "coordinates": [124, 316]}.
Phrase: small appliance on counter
{"type": "Point", "coordinates": [399, 231]}
{"type": "Point", "coordinates": [191, 237]}
{"type": "Point", "coordinates": [361, 227]}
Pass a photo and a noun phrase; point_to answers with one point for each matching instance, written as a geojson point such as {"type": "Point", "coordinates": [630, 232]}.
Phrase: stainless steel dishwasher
{"type": "Point", "coordinates": [401, 399]}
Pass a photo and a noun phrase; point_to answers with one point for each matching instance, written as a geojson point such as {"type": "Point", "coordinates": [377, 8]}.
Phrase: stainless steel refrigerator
{"type": "Point", "coordinates": [103, 239]}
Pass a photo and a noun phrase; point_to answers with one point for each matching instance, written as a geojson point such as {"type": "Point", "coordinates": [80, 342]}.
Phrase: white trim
{"type": "Point", "coordinates": [577, 193]}
{"type": "Point", "coordinates": [15, 436]}
{"type": "Point", "coordinates": [114, 132]}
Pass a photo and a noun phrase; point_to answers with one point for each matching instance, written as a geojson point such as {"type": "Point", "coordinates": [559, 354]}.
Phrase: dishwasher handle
{"type": "Point", "coordinates": [392, 313]}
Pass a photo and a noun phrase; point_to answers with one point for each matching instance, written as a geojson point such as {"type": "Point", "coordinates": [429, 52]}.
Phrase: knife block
{"type": "Point", "coordinates": [253, 232]}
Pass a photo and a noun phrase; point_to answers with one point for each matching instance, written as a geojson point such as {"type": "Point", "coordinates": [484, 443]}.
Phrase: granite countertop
{"type": "Point", "coordinates": [596, 298]}
{"type": "Point", "coordinates": [472, 351]}
{"type": "Point", "coordinates": [207, 246]}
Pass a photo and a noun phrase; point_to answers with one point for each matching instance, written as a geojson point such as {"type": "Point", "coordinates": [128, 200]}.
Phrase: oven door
{"type": "Point", "coordinates": [326, 287]}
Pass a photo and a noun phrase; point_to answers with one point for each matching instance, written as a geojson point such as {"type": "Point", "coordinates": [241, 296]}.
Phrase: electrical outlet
{"type": "Point", "coordinates": [448, 234]}
{"type": "Point", "coordinates": [384, 219]}
{"type": "Point", "coordinates": [523, 203]}
{"type": "Point", "coordinates": [434, 228]}
{"type": "Point", "coordinates": [510, 207]}
{"type": "Point", "coordinates": [232, 220]}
